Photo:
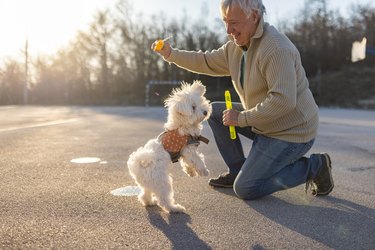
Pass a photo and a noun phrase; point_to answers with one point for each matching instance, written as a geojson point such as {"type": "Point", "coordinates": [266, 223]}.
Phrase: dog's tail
{"type": "Point", "coordinates": [142, 157]}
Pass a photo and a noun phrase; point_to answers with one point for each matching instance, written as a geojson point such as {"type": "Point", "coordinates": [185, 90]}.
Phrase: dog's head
{"type": "Point", "coordinates": [188, 105]}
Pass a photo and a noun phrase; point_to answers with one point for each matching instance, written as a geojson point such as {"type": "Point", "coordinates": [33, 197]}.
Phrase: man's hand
{"type": "Point", "coordinates": [230, 117]}
{"type": "Point", "coordinates": [165, 51]}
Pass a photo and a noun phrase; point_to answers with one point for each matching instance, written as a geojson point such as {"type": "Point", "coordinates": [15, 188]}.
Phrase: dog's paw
{"type": "Point", "coordinates": [190, 171]}
{"type": "Point", "coordinates": [147, 201]}
{"type": "Point", "coordinates": [203, 172]}
{"type": "Point", "coordinates": [177, 208]}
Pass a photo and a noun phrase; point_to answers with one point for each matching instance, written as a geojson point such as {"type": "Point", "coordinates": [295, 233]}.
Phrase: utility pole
{"type": "Point", "coordinates": [26, 83]}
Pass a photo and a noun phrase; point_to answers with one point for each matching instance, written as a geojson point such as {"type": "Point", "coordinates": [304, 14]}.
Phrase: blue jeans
{"type": "Point", "coordinates": [271, 165]}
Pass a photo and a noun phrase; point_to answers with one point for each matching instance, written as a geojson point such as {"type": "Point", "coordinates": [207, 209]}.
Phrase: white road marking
{"type": "Point", "coordinates": [44, 124]}
{"type": "Point", "coordinates": [127, 191]}
{"type": "Point", "coordinates": [84, 160]}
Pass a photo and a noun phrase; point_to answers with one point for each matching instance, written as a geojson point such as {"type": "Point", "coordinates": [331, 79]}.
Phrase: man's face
{"type": "Point", "coordinates": [239, 26]}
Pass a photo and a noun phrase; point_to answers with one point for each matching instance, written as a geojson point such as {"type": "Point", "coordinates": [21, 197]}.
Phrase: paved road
{"type": "Point", "coordinates": [46, 201]}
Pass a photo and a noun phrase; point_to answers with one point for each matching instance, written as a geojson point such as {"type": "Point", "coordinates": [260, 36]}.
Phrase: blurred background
{"type": "Point", "coordinates": [97, 52]}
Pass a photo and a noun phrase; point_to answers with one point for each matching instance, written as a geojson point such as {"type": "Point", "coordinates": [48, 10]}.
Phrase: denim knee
{"type": "Point", "coordinates": [247, 192]}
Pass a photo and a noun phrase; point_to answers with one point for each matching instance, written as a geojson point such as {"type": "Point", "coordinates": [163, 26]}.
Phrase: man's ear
{"type": "Point", "coordinates": [255, 17]}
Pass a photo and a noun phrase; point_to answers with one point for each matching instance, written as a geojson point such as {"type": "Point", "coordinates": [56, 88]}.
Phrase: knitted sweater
{"type": "Point", "coordinates": [275, 96]}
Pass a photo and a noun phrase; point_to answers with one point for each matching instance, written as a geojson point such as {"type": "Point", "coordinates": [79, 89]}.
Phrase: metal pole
{"type": "Point", "coordinates": [26, 83]}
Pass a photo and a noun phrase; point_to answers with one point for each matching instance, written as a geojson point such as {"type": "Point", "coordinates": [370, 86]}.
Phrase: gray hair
{"type": "Point", "coordinates": [248, 6]}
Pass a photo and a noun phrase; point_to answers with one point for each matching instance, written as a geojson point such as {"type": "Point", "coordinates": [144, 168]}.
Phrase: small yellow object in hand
{"type": "Point", "coordinates": [160, 44]}
{"type": "Point", "coordinates": [228, 103]}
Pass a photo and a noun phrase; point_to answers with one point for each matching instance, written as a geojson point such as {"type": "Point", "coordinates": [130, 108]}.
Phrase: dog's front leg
{"type": "Point", "coordinates": [192, 161]}
{"type": "Point", "coordinates": [188, 169]}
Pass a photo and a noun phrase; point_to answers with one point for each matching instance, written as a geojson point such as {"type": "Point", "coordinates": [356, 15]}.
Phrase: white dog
{"type": "Point", "coordinates": [187, 109]}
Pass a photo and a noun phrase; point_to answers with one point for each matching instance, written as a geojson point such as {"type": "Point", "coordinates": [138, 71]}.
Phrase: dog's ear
{"type": "Point", "coordinates": [176, 102]}
{"type": "Point", "coordinates": [175, 95]}
{"type": "Point", "coordinates": [183, 108]}
{"type": "Point", "coordinates": [167, 102]}
{"type": "Point", "coordinates": [197, 85]}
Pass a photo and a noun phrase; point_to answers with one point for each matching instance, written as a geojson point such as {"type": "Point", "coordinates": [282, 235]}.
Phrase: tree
{"type": "Point", "coordinates": [11, 83]}
{"type": "Point", "coordinates": [96, 42]}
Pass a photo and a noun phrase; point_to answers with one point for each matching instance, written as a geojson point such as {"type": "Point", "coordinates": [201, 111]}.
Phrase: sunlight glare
{"type": "Point", "coordinates": [48, 24]}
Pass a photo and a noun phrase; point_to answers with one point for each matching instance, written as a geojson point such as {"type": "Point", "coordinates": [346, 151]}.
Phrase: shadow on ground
{"type": "Point", "coordinates": [176, 229]}
{"type": "Point", "coordinates": [349, 225]}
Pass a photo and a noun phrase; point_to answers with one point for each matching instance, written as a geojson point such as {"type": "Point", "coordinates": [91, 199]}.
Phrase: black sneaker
{"type": "Point", "coordinates": [322, 184]}
{"type": "Point", "coordinates": [225, 180]}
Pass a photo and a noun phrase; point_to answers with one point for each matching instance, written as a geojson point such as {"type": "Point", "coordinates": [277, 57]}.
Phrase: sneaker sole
{"type": "Point", "coordinates": [220, 185]}
{"type": "Point", "coordinates": [329, 166]}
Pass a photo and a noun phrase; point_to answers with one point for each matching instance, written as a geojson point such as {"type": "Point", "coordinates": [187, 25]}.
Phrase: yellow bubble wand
{"type": "Point", "coordinates": [228, 103]}
{"type": "Point", "coordinates": [160, 43]}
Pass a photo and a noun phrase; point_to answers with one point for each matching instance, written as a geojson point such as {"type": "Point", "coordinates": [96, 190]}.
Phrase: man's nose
{"type": "Point", "coordinates": [229, 29]}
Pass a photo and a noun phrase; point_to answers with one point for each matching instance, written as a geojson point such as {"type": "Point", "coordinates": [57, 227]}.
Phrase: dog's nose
{"type": "Point", "coordinates": [205, 113]}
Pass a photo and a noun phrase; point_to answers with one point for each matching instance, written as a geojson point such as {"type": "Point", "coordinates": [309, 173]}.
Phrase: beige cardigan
{"type": "Point", "coordinates": [276, 97]}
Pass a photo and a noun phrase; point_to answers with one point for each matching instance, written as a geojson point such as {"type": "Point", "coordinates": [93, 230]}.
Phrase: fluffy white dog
{"type": "Point", "coordinates": [149, 165]}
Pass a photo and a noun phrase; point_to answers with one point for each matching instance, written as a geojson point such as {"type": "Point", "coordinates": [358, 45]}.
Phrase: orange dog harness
{"type": "Point", "coordinates": [173, 142]}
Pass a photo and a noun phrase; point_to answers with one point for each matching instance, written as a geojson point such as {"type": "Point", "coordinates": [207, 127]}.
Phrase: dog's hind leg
{"type": "Point", "coordinates": [145, 197]}
{"type": "Point", "coordinates": [165, 197]}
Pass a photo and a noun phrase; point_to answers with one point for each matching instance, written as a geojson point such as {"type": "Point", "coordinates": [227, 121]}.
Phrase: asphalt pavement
{"type": "Point", "coordinates": [58, 166]}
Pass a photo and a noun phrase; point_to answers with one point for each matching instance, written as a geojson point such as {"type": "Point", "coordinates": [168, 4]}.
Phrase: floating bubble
{"type": "Point", "coordinates": [85, 160]}
{"type": "Point", "coordinates": [126, 191]}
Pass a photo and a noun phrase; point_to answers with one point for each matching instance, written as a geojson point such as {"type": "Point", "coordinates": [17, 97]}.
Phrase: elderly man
{"type": "Point", "coordinates": [277, 109]}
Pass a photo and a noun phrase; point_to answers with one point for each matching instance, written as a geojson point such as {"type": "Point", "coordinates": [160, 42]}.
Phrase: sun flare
{"type": "Point", "coordinates": [48, 24]}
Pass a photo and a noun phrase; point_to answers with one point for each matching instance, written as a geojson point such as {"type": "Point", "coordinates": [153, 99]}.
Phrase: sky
{"type": "Point", "coordinates": [51, 24]}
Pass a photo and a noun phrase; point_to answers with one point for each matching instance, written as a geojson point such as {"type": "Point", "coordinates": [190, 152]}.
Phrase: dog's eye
{"type": "Point", "coordinates": [194, 108]}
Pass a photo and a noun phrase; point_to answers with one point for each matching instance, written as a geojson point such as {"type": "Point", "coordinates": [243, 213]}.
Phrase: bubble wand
{"type": "Point", "coordinates": [228, 103]}
{"type": "Point", "coordinates": [160, 43]}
